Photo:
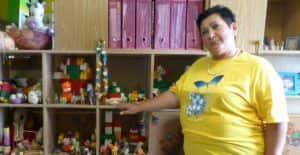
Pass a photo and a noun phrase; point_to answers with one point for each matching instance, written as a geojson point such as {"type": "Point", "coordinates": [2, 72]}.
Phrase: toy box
{"type": "Point", "coordinates": [290, 82]}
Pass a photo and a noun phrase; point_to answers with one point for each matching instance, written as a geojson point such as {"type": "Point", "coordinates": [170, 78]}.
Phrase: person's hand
{"type": "Point", "coordinates": [128, 108]}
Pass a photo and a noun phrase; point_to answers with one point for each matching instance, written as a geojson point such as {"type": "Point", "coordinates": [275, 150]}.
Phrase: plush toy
{"type": "Point", "coordinates": [34, 35]}
{"type": "Point", "coordinates": [66, 95]}
{"type": "Point", "coordinates": [36, 15]}
{"type": "Point", "coordinates": [17, 98]}
{"type": "Point", "coordinates": [6, 90]}
{"type": "Point", "coordinates": [35, 94]}
{"type": "Point", "coordinates": [6, 42]}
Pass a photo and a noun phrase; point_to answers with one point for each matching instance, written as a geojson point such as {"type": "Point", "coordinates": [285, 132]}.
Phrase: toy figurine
{"type": "Point", "coordinates": [66, 95]}
{"type": "Point", "coordinates": [113, 148]}
{"type": "Point", "coordinates": [160, 84]}
{"type": "Point", "coordinates": [6, 89]}
{"type": "Point", "coordinates": [20, 116]}
{"type": "Point", "coordinates": [114, 95]}
{"type": "Point", "coordinates": [139, 149]}
{"type": "Point", "coordinates": [125, 149]}
{"type": "Point", "coordinates": [82, 96]}
{"type": "Point", "coordinates": [91, 94]}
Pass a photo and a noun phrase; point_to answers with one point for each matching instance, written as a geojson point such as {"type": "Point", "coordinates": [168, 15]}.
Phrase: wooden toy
{"type": "Point", "coordinates": [101, 71]}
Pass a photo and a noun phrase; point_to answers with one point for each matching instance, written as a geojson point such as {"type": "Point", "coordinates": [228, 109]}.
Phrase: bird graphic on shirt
{"type": "Point", "coordinates": [198, 101]}
{"type": "Point", "coordinates": [215, 80]}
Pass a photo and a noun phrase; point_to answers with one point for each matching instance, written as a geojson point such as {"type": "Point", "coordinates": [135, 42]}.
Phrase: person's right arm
{"type": "Point", "coordinates": [163, 101]}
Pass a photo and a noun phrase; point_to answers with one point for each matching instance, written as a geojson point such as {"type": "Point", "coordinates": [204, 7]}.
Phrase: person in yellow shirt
{"type": "Point", "coordinates": [231, 102]}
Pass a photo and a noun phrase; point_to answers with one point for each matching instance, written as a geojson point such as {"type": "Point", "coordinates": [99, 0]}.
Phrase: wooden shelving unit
{"type": "Point", "coordinates": [79, 24]}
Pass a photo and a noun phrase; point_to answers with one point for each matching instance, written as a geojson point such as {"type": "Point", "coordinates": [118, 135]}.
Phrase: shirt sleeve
{"type": "Point", "coordinates": [269, 94]}
{"type": "Point", "coordinates": [177, 87]}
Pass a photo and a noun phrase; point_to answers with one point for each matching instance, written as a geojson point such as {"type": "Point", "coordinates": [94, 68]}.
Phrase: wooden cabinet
{"type": "Point", "coordinates": [251, 17]}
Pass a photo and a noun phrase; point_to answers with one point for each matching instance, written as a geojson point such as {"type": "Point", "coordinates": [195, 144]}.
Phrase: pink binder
{"type": "Point", "coordinates": [193, 38]}
{"type": "Point", "coordinates": [143, 24]}
{"type": "Point", "coordinates": [114, 27]}
{"type": "Point", "coordinates": [128, 26]}
{"type": "Point", "coordinates": [162, 24]}
{"type": "Point", "coordinates": [178, 24]}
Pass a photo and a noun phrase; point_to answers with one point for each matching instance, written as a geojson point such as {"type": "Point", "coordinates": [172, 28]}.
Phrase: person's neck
{"type": "Point", "coordinates": [230, 53]}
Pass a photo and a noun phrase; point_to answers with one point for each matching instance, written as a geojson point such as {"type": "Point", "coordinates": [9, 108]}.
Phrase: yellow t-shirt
{"type": "Point", "coordinates": [225, 102]}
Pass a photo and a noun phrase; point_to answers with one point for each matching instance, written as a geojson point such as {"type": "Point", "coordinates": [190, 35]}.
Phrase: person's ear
{"type": "Point", "coordinates": [234, 27]}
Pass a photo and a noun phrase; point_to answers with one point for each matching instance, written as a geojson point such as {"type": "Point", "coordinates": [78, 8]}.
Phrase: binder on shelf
{"type": "Point", "coordinates": [162, 24]}
{"type": "Point", "coordinates": [143, 24]}
{"type": "Point", "coordinates": [128, 25]}
{"type": "Point", "coordinates": [114, 21]}
{"type": "Point", "coordinates": [178, 24]}
{"type": "Point", "coordinates": [193, 38]}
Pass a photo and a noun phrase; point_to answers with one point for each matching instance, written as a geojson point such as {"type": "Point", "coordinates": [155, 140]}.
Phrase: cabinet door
{"type": "Point", "coordinates": [251, 16]}
{"type": "Point", "coordinates": [79, 24]}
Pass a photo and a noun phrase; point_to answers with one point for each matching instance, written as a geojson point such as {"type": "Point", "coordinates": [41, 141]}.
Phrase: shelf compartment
{"type": "Point", "coordinates": [67, 69]}
{"type": "Point", "coordinates": [282, 20]}
{"type": "Point", "coordinates": [22, 72]}
{"type": "Point", "coordinates": [24, 127]}
{"type": "Point", "coordinates": [129, 72]}
{"type": "Point", "coordinates": [130, 129]}
{"type": "Point", "coordinates": [69, 122]}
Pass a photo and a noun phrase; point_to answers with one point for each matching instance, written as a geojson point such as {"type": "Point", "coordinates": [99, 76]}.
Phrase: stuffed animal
{"type": "Point", "coordinates": [36, 15]}
{"type": "Point", "coordinates": [34, 35]}
{"type": "Point", "coordinates": [6, 42]}
{"type": "Point", "coordinates": [17, 98]}
{"type": "Point", "coordinates": [35, 94]}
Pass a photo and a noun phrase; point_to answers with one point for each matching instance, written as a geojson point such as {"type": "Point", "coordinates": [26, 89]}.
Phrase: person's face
{"type": "Point", "coordinates": [217, 36]}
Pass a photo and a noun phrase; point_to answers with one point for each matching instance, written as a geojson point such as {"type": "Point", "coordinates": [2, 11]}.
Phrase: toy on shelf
{"type": "Point", "coordinates": [160, 84]}
{"type": "Point", "coordinates": [137, 94]}
{"type": "Point", "coordinates": [34, 35]}
{"type": "Point", "coordinates": [101, 71]}
{"type": "Point", "coordinates": [78, 73]}
{"type": "Point", "coordinates": [17, 98]}
{"type": "Point", "coordinates": [35, 94]}
{"type": "Point", "coordinates": [6, 42]}
{"type": "Point", "coordinates": [66, 95]}
{"type": "Point", "coordinates": [114, 95]}
{"type": "Point", "coordinates": [5, 91]}
{"type": "Point", "coordinates": [139, 149]}
{"type": "Point", "coordinates": [90, 93]}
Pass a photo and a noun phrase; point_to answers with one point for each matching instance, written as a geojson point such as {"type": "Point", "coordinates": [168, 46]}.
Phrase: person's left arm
{"type": "Point", "coordinates": [271, 107]}
{"type": "Point", "coordinates": [275, 136]}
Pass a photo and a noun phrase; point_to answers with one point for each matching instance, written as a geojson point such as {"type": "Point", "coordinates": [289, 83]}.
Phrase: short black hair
{"type": "Point", "coordinates": [225, 13]}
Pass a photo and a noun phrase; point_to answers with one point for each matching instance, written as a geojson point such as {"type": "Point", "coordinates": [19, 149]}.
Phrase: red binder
{"type": "Point", "coordinates": [143, 23]}
{"type": "Point", "coordinates": [114, 27]}
{"type": "Point", "coordinates": [128, 26]}
{"type": "Point", "coordinates": [162, 24]}
{"type": "Point", "coordinates": [193, 38]}
{"type": "Point", "coordinates": [178, 22]}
